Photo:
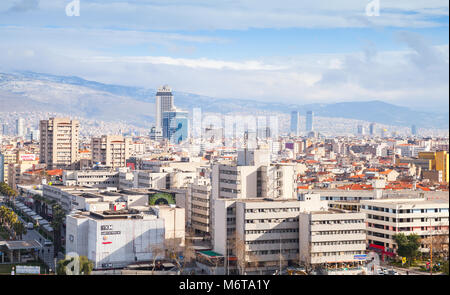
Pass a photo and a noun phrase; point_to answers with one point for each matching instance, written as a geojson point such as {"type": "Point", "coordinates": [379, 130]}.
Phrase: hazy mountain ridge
{"type": "Point", "coordinates": [19, 91]}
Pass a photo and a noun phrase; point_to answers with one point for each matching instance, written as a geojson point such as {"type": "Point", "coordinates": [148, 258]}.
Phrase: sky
{"type": "Point", "coordinates": [288, 50]}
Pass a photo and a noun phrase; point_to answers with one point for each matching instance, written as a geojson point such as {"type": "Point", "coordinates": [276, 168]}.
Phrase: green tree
{"type": "Point", "coordinates": [408, 245]}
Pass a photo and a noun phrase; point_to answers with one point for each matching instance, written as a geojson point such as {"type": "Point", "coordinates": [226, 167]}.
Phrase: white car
{"type": "Point", "coordinates": [392, 272]}
{"type": "Point", "coordinates": [380, 272]}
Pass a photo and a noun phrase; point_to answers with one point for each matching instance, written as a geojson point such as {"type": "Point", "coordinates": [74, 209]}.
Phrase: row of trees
{"type": "Point", "coordinates": [11, 221]}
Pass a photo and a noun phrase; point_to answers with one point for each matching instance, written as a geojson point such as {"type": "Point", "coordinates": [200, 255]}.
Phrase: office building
{"type": "Point", "coordinates": [309, 121]}
{"type": "Point", "coordinates": [20, 127]}
{"type": "Point", "coordinates": [175, 126]}
{"type": "Point", "coordinates": [387, 217]}
{"type": "Point", "coordinates": [333, 237]}
{"type": "Point", "coordinates": [111, 150]}
{"type": "Point", "coordinates": [413, 130]}
{"type": "Point", "coordinates": [164, 103]}
{"type": "Point", "coordinates": [295, 123]}
{"type": "Point", "coordinates": [361, 130]}
{"type": "Point", "coordinates": [372, 129]}
{"type": "Point", "coordinates": [59, 139]}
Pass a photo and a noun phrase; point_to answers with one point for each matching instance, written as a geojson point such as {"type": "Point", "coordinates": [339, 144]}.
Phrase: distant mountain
{"type": "Point", "coordinates": [34, 91]}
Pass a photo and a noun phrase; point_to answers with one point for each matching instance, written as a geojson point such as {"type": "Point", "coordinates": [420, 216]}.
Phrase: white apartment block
{"type": "Point", "coordinates": [333, 237]}
{"type": "Point", "coordinates": [91, 178]}
{"type": "Point", "coordinates": [111, 150]}
{"type": "Point", "coordinates": [59, 138]}
{"type": "Point", "coordinates": [253, 177]}
{"type": "Point", "coordinates": [387, 217]}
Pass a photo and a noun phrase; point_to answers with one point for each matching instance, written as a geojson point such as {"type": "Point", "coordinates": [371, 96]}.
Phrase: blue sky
{"type": "Point", "coordinates": [297, 51]}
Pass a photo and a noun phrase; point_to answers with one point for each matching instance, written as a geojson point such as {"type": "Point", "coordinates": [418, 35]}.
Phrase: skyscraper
{"type": "Point", "coordinates": [372, 129]}
{"type": "Point", "coordinates": [175, 126]}
{"type": "Point", "coordinates": [361, 130]}
{"type": "Point", "coordinates": [20, 127]}
{"type": "Point", "coordinates": [413, 130]}
{"type": "Point", "coordinates": [309, 121]}
{"type": "Point", "coordinates": [59, 138]}
{"type": "Point", "coordinates": [295, 123]}
{"type": "Point", "coordinates": [164, 103]}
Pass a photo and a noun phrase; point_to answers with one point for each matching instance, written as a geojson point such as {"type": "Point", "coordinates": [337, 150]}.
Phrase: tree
{"type": "Point", "coordinates": [445, 268]}
{"type": "Point", "coordinates": [58, 218]}
{"type": "Point", "coordinates": [408, 245]}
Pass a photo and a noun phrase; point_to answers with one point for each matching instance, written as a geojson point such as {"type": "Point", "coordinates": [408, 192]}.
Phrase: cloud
{"type": "Point", "coordinates": [24, 5]}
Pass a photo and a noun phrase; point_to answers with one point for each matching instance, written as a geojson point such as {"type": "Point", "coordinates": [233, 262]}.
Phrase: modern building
{"type": "Point", "coordinates": [59, 139]}
{"type": "Point", "coordinates": [176, 125]}
{"type": "Point", "coordinates": [111, 150]}
{"type": "Point", "coordinates": [295, 123]}
{"type": "Point", "coordinates": [309, 121]}
{"type": "Point", "coordinates": [413, 130]}
{"type": "Point", "coordinates": [20, 127]}
{"type": "Point", "coordinates": [372, 129]}
{"type": "Point", "coordinates": [164, 103]}
{"type": "Point", "coordinates": [361, 130]}
{"type": "Point", "coordinates": [332, 238]}
{"type": "Point", "coordinates": [387, 217]}
{"type": "Point", "coordinates": [115, 239]}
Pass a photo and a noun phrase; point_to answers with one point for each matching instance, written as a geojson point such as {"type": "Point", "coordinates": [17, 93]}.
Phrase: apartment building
{"type": "Point", "coordinates": [59, 139]}
{"type": "Point", "coordinates": [387, 217]}
{"type": "Point", "coordinates": [199, 194]}
{"type": "Point", "coordinates": [144, 179]}
{"type": "Point", "coordinates": [332, 237]}
{"type": "Point", "coordinates": [111, 150]}
{"type": "Point", "coordinates": [253, 176]}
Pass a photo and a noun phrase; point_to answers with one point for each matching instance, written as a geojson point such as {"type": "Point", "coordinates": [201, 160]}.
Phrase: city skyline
{"type": "Point", "coordinates": [243, 57]}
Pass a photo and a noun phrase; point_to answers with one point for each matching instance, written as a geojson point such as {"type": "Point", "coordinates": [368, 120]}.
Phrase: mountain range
{"type": "Point", "coordinates": [29, 91]}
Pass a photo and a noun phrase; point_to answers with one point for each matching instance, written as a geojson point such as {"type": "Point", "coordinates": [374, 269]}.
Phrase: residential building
{"type": "Point", "coordinates": [111, 150]}
{"type": "Point", "coordinates": [59, 139]}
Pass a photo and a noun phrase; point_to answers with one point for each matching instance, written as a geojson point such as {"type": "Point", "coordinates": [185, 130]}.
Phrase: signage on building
{"type": "Point", "coordinates": [28, 157]}
{"type": "Point", "coordinates": [360, 257]}
{"type": "Point", "coordinates": [107, 230]}
{"type": "Point", "coordinates": [24, 269]}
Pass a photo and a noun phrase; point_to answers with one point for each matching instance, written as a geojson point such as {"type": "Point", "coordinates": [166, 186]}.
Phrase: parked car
{"type": "Point", "coordinates": [392, 272]}
{"type": "Point", "coordinates": [30, 225]}
{"type": "Point", "coordinates": [380, 272]}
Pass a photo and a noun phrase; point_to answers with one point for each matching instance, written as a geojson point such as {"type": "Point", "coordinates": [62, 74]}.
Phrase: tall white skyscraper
{"type": "Point", "coordinates": [164, 103]}
{"type": "Point", "coordinates": [20, 127]}
{"type": "Point", "coordinates": [309, 121]}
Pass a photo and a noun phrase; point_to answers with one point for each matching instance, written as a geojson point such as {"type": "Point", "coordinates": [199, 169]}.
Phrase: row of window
{"type": "Point", "coordinates": [341, 253]}
{"type": "Point", "coordinates": [271, 252]}
{"type": "Point", "coordinates": [274, 220]}
{"type": "Point", "coordinates": [337, 232]}
{"type": "Point", "coordinates": [272, 210]}
{"type": "Point", "coordinates": [355, 242]}
{"type": "Point", "coordinates": [262, 242]}
{"type": "Point", "coordinates": [272, 231]}
{"type": "Point", "coordinates": [348, 221]}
